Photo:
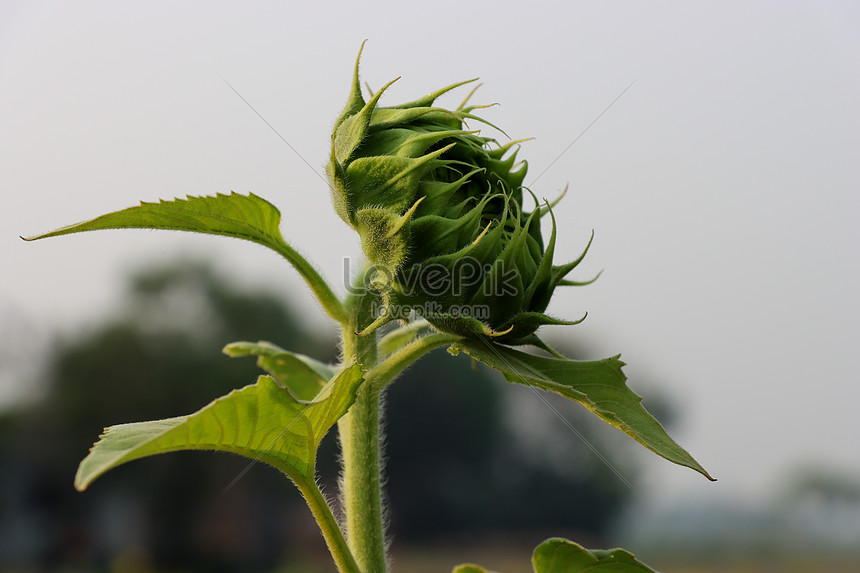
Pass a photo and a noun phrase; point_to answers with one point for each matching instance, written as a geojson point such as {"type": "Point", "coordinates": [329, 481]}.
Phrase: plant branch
{"type": "Point", "coordinates": [330, 302]}
{"type": "Point", "coordinates": [385, 372]}
{"type": "Point", "coordinates": [331, 531]}
{"type": "Point", "coordinates": [402, 335]}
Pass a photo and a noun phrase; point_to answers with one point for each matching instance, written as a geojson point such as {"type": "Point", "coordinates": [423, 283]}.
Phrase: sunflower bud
{"type": "Point", "coordinates": [440, 213]}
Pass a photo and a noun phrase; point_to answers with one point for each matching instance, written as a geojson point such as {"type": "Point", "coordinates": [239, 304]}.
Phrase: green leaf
{"type": "Point", "coordinates": [261, 421]}
{"type": "Point", "coordinates": [598, 385]}
{"type": "Point", "coordinates": [469, 568]}
{"type": "Point", "coordinates": [302, 375]}
{"type": "Point", "coordinates": [246, 217]}
{"type": "Point", "coordinates": [242, 216]}
{"type": "Point", "coordinates": [558, 555]}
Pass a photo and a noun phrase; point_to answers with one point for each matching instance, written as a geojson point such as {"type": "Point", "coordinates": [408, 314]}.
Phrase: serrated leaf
{"type": "Point", "coordinates": [558, 555]}
{"type": "Point", "coordinates": [598, 385]}
{"type": "Point", "coordinates": [302, 375]}
{"type": "Point", "coordinates": [246, 217]}
{"type": "Point", "coordinates": [261, 421]}
{"type": "Point", "coordinates": [242, 216]}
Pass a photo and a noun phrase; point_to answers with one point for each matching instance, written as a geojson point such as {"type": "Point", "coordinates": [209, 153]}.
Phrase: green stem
{"type": "Point", "coordinates": [385, 372]}
{"type": "Point", "coordinates": [331, 531]}
{"type": "Point", "coordinates": [398, 337]}
{"type": "Point", "coordinates": [361, 485]}
{"type": "Point", "coordinates": [359, 430]}
{"type": "Point", "coordinates": [360, 442]}
{"type": "Point", "coordinates": [330, 302]}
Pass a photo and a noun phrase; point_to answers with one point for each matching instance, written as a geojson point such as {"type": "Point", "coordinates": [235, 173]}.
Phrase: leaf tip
{"type": "Point", "coordinates": [235, 349]}
{"type": "Point", "coordinates": [82, 481]}
{"type": "Point", "coordinates": [705, 473]}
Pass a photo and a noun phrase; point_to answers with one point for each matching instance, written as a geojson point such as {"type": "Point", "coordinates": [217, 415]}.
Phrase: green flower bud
{"type": "Point", "coordinates": [439, 210]}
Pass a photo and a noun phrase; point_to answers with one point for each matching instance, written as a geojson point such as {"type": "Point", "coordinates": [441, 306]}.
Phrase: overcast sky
{"type": "Point", "coordinates": [722, 187]}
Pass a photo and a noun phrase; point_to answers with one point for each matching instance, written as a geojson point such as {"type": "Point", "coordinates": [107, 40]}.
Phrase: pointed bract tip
{"type": "Point", "coordinates": [565, 282]}
{"type": "Point", "coordinates": [356, 84]}
{"type": "Point", "coordinates": [496, 333]}
{"type": "Point", "coordinates": [404, 218]}
{"type": "Point", "coordinates": [470, 94]}
{"type": "Point", "coordinates": [556, 201]}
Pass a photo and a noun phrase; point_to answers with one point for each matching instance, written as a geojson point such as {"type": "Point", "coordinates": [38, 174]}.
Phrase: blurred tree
{"type": "Point", "coordinates": [455, 460]}
{"type": "Point", "coordinates": [160, 358]}
{"type": "Point", "coordinates": [822, 484]}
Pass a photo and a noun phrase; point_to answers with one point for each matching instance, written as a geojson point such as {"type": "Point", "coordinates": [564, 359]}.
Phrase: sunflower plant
{"type": "Point", "coordinates": [456, 258]}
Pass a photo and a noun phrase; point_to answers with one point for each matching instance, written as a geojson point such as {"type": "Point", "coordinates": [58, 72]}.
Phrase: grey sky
{"type": "Point", "coordinates": [723, 187]}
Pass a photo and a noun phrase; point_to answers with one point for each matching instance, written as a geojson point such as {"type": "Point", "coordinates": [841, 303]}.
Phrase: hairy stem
{"type": "Point", "coordinates": [360, 429]}
{"type": "Point", "coordinates": [386, 371]}
{"type": "Point", "coordinates": [330, 302]}
{"type": "Point", "coordinates": [360, 442]}
{"type": "Point", "coordinates": [331, 531]}
{"type": "Point", "coordinates": [361, 486]}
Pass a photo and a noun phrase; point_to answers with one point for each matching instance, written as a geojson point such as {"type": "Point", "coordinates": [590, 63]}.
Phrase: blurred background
{"type": "Point", "coordinates": [722, 187]}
